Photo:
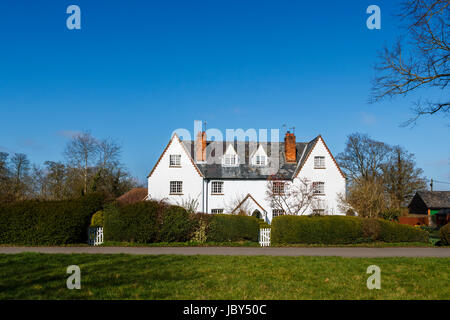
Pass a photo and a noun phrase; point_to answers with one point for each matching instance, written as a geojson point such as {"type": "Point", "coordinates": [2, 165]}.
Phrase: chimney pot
{"type": "Point", "coordinates": [290, 150]}
{"type": "Point", "coordinates": [200, 146]}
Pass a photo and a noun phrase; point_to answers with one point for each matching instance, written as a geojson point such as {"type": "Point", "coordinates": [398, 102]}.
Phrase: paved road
{"type": "Point", "coordinates": [247, 251]}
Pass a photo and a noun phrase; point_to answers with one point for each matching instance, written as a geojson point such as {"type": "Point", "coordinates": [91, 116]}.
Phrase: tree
{"type": "Point", "coordinates": [401, 178]}
{"type": "Point", "coordinates": [363, 157]}
{"type": "Point", "coordinates": [5, 178]}
{"type": "Point", "coordinates": [366, 197]}
{"type": "Point", "coordinates": [20, 169]}
{"type": "Point", "coordinates": [423, 63]}
{"type": "Point", "coordinates": [292, 197]}
{"type": "Point", "coordinates": [81, 152]}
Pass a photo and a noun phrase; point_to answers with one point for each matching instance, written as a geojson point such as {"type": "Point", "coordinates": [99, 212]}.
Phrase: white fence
{"type": "Point", "coordinates": [264, 237]}
{"type": "Point", "coordinates": [95, 236]}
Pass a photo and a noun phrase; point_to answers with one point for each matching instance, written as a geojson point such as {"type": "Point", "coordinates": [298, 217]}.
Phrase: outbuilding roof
{"type": "Point", "coordinates": [435, 199]}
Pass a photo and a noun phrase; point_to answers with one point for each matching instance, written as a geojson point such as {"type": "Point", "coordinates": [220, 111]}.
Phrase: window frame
{"type": "Point", "coordinates": [230, 156]}
{"type": "Point", "coordinates": [318, 191]}
{"type": "Point", "coordinates": [217, 211]}
{"type": "Point", "coordinates": [278, 212]}
{"type": "Point", "coordinates": [177, 186]}
{"type": "Point", "coordinates": [262, 160]}
{"type": "Point", "coordinates": [277, 186]}
{"type": "Point", "coordinates": [175, 156]}
{"type": "Point", "coordinates": [319, 164]}
{"type": "Point", "coordinates": [214, 186]}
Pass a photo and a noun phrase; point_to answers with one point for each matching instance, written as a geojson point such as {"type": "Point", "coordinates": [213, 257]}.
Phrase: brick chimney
{"type": "Point", "coordinates": [200, 146]}
{"type": "Point", "coordinates": [290, 152]}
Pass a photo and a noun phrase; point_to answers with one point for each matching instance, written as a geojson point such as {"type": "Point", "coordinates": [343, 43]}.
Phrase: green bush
{"type": "Point", "coordinates": [97, 219]}
{"type": "Point", "coordinates": [395, 232]}
{"type": "Point", "coordinates": [444, 234]}
{"type": "Point", "coordinates": [391, 214]}
{"type": "Point", "coordinates": [48, 222]}
{"type": "Point", "coordinates": [137, 222]}
{"type": "Point", "coordinates": [225, 227]}
{"type": "Point", "coordinates": [341, 230]}
{"type": "Point", "coordinates": [177, 226]}
{"type": "Point", "coordinates": [316, 229]}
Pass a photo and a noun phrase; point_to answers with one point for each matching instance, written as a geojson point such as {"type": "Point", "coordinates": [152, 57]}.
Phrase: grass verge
{"type": "Point", "coordinates": [43, 276]}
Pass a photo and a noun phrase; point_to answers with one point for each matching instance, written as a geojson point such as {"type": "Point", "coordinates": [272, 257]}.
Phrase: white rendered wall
{"type": "Point", "coordinates": [159, 181]}
{"type": "Point", "coordinates": [334, 181]}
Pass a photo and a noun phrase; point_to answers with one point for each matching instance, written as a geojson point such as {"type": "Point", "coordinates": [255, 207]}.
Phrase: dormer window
{"type": "Point", "coordinates": [260, 160]}
{"type": "Point", "coordinates": [230, 158]}
{"type": "Point", "coordinates": [175, 160]}
{"type": "Point", "coordinates": [259, 157]}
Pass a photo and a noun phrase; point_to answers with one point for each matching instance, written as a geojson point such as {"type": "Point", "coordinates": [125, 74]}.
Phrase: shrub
{"type": "Point", "coordinates": [136, 222]}
{"type": "Point", "coordinates": [48, 222]}
{"type": "Point", "coordinates": [395, 232]}
{"type": "Point", "coordinates": [224, 228]}
{"type": "Point", "coordinates": [176, 226]}
{"type": "Point", "coordinates": [444, 234]}
{"type": "Point", "coordinates": [97, 219]}
{"type": "Point", "coordinates": [390, 214]}
{"type": "Point", "coordinates": [316, 229]}
{"type": "Point", "coordinates": [341, 230]}
{"type": "Point", "coordinates": [371, 229]}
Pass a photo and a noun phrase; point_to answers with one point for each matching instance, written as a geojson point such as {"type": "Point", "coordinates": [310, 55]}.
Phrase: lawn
{"type": "Point", "coordinates": [43, 276]}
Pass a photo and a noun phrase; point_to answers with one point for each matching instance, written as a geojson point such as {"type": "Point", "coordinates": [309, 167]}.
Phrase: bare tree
{"type": "Point", "coordinates": [81, 152]}
{"type": "Point", "coordinates": [367, 197]}
{"type": "Point", "coordinates": [424, 62]}
{"type": "Point", "coordinates": [363, 157]}
{"type": "Point", "coordinates": [401, 177]}
{"type": "Point", "coordinates": [108, 153]}
{"type": "Point", "coordinates": [293, 197]}
{"type": "Point", "coordinates": [20, 169]}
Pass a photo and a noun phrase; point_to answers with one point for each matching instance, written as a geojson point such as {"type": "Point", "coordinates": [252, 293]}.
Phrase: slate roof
{"type": "Point", "coordinates": [435, 199]}
{"type": "Point", "coordinates": [213, 169]}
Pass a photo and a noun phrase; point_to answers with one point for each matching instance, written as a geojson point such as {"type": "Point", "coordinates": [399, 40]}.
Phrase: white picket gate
{"type": "Point", "coordinates": [264, 237]}
{"type": "Point", "coordinates": [95, 236]}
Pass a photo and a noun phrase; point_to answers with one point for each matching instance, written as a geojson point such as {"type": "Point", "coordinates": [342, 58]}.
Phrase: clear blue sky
{"type": "Point", "coordinates": [137, 70]}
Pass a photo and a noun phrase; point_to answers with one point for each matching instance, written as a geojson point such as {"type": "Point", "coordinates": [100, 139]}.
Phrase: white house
{"type": "Point", "coordinates": [225, 176]}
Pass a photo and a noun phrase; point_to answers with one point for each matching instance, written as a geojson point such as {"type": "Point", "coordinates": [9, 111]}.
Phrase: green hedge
{"type": "Point", "coordinates": [340, 230]}
{"type": "Point", "coordinates": [444, 234]}
{"type": "Point", "coordinates": [225, 227]}
{"type": "Point", "coordinates": [147, 222]}
{"type": "Point", "coordinates": [48, 222]}
{"type": "Point", "coordinates": [138, 222]}
{"type": "Point", "coordinates": [150, 221]}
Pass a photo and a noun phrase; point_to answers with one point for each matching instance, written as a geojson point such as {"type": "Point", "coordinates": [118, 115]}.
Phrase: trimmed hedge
{"type": "Point", "coordinates": [149, 221]}
{"type": "Point", "coordinates": [340, 230]}
{"type": "Point", "coordinates": [225, 227]}
{"type": "Point", "coordinates": [444, 234]}
{"type": "Point", "coordinates": [48, 222]}
{"type": "Point", "coordinates": [136, 222]}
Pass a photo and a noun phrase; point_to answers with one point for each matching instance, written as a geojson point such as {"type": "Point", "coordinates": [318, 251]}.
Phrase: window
{"type": "Point", "coordinates": [230, 160]}
{"type": "Point", "coordinates": [175, 160]}
{"type": "Point", "coordinates": [277, 212]}
{"type": "Point", "coordinates": [217, 187]}
{"type": "Point", "coordinates": [319, 162]}
{"type": "Point", "coordinates": [318, 212]}
{"type": "Point", "coordinates": [216, 211]}
{"type": "Point", "coordinates": [278, 188]}
{"type": "Point", "coordinates": [176, 187]}
{"type": "Point", "coordinates": [260, 160]}
{"type": "Point", "coordinates": [318, 187]}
